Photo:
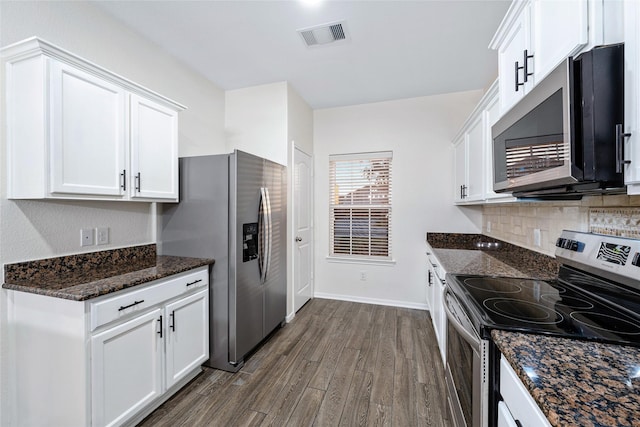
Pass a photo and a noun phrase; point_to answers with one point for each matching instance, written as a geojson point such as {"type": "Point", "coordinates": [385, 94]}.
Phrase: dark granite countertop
{"type": "Point", "coordinates": [576, 383]}
{"type": "Point", "coordinates": [466, 261]}
{"type": "Point", "coordinates": [85, 276]}
{"type": "Point", "coordinates": [478, 254]}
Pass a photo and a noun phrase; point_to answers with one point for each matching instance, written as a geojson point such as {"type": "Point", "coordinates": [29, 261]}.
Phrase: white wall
{"type": "Point", "coordinates": [256, 121]}
{"type": "Point", "coordinates": [267, 120]}
{"type": "Point", "coordinates": [300, 134]}
{"type": "Point", "coordinates": [40, 229]}
{"type": "Point", "coordinates": [419, 132]}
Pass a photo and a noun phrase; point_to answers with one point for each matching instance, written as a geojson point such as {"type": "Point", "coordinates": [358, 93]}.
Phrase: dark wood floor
{"type": "Point", "coordinates": [336, 364]}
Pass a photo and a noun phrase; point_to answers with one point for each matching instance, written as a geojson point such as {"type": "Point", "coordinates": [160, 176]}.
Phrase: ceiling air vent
{"type": "Point", "coordinates": [324, 34]}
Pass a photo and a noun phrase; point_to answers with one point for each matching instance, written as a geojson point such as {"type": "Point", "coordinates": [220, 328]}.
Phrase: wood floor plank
{"type": "Point", "coordinates": [356, 408]}
{"type": "Point", "coordinates": [306, 410]}
{"type": "Point", "coordinates": [405, 339]}
{"type": "Point", "coordinates": [250, 419]}
{"type": "Point", "coordinates": [335, 397]}
{"type": "Point", "coordinates": [291, 394]}
{"type": "Point", "coordinates": [379, 415]}
{"type": "Point", "coordinates": [372, 366]}
{"type": "Point", "coordinates": [371, 342]}
{"type": "Point", "coordinates": [275, 379]}
{"type": "Point", "coordinates": [429, 409]}
{"type": "Point", "coordinates": [361, 322]}
{"type": "Point", "coordinates": [382, 389]}
{"type": "Point", "coordinates": [404, 400]}
{"type": "Point", "coordinates": [324, 337]}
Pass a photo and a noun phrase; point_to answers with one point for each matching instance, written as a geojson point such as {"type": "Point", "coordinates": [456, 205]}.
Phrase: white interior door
{"type": "Point", "coordinates": [303, 226]}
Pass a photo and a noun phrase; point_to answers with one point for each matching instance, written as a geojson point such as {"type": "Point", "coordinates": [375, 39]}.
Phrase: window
{"type": "Point", "coordinates": [360, 204]}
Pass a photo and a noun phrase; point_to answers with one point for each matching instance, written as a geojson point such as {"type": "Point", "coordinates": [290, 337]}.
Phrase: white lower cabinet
{"type": "Point", "coordinates": [518, 407]}
{"type": "Point", "coordinates": [187, 336]}
{"type": "Point", "coordinates": [435, 299]}
{"type": "Point", "coordinates": [126, 369]}
{"type": "Point", "coordinates": [108, 361]}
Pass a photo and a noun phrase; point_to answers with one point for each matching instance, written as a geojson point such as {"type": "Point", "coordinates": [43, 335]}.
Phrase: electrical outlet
{"type": "Point", "coordinates": [102, 235]}
{"type": "Point", "coordinates": [363, 276]}
{"type": "Point", "coordinates": [537, 238]}
{"type": "Point", "coordinates": [488, 226]}
{"type": "Point", "coordinates": [86, 237]}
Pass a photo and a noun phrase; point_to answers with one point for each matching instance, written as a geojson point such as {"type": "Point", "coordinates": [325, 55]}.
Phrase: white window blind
{"type": "Point", "coordinates": [360, 205]}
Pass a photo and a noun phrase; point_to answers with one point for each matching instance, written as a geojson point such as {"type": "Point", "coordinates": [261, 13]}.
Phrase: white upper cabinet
{"type": "Point", "coordinates": [537, 35]}
{"type": "Point", "coordinates": [459, 168]}
{"type": "Point", "coordinates": [154, 152]}
{"type": "Point", "coordinates": [559, 30]}
{"type": "Point", "coordinates": [473, 154]}
{"type": "Point", "coordinates": [511, 60]}
{"type": "Point", "coordinates": [475, 158]}
{"type": "Point", "coordinates": [632, 96]}
{"type": "Point", "coordinates": [78, 131]}
{"type": "Point", "coordinates": [88, 137]}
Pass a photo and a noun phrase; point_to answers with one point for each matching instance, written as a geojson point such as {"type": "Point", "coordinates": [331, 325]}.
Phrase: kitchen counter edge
{"type": "Point", "coordinates": [165, 266]}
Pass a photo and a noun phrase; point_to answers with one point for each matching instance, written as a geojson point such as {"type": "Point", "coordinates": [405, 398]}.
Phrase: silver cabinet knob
{"type": "Point", "coordinates": [298, 239]}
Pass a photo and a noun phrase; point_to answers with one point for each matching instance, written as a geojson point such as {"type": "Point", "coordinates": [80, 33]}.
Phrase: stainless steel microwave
{"type": "Point", "coordinates": [565, 136]}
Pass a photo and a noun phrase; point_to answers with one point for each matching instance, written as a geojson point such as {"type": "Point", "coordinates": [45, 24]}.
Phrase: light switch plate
{"type": "Point", "coordinates": [86, 237]}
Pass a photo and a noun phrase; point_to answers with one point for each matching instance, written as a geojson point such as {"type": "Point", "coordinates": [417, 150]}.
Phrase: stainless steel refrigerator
{"type": "Point", "coordinates": [233, 209]}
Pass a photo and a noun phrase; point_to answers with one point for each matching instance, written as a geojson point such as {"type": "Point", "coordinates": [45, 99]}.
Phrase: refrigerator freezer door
{"type": "Point", "coordinates": [275, 287]}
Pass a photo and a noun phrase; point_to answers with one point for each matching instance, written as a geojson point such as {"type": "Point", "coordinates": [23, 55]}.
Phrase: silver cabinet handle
{"type": "Point", "coordinates": [298, 239]}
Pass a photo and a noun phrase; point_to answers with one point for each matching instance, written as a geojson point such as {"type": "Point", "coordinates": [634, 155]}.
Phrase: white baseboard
{"type": "Point", "coordinates": [289, 317]}
{"type": "Point", "coordinates": [376, 301]}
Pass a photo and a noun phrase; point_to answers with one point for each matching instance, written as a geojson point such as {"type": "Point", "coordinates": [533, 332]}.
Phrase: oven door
{"type": "Point", "coordinates": [467, 367]}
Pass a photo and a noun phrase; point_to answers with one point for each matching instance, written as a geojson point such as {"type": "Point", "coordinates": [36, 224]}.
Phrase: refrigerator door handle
{"type": "Point", "coordinates": [262, 235]}
{"type": "Point", "coordinates": [269, 233]}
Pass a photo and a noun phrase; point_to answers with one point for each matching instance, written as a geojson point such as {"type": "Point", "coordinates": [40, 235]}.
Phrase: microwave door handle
{"type": "Point", "coordinates": [620, 136]}
{"type": "Point", "coordinates": [453, 321]}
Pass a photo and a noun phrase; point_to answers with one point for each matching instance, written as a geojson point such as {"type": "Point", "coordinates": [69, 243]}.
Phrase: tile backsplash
{"type": "Point", "coordinates": [516, 222]}
{"type": "Point", "coordinates": [623, 222]}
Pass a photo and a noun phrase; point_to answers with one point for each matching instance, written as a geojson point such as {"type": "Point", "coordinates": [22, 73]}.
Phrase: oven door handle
{"type": "Point", "coordinates": [453, 320]}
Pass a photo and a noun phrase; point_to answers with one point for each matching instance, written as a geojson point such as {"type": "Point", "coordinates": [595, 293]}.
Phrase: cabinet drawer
{"type": "Point", "coordinates": [124, 303]}
{"type": "Point", "coordinates": [517, 398]}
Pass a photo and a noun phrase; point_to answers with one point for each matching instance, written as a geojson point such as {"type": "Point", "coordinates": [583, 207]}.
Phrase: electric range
{"type": "Point", "coordinates": [602, 307]}
{"type": "Point", "coordinates": [596, 297]}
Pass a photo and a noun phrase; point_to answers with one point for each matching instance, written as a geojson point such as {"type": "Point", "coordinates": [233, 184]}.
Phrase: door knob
{"type": "Point", "coordinates": [298, 239]}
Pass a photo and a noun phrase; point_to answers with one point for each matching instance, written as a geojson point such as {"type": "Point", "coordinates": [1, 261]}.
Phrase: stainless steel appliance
{"type": "Point", "coordinates": [595, 297]}
{"type": "Point", "coordinates": [564, 138]}
{"type": "Point", "coordinates": [233, 209]}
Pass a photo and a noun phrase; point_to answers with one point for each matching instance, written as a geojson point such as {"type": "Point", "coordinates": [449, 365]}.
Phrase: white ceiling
{"type": "Point", "coordinates": [397, 49]}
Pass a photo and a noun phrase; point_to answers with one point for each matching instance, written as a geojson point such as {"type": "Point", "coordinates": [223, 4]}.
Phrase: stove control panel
{"type": "Point", "coordinates": [616, 258]}
{"type": "Point", "coordinates": [572, 245]}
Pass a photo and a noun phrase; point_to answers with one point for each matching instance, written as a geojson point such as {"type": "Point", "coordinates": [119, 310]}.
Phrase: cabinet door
{"type": "Point", "coordinates": [154, 150]}
{"type": "Point", "coordinates": [475, 158]}
{"type": "Point", "coordinates": [510, 52]}
{"type": "Point", "coordinates": [559, 30]}
{"type": "Point", "coordinates": [632, 95]}
{"type": "Point", "coordinates": [126, 369]}
{"type": "Point", "coordinates": [88, 135]}
{"type": "Point", "coordinates": [187, 335]}
{"type": "Point", "coordinates": [460, 168]}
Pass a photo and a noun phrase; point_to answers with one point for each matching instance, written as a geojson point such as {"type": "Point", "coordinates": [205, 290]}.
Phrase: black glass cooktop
{"type": "Point", "coordinates": [577, 305]}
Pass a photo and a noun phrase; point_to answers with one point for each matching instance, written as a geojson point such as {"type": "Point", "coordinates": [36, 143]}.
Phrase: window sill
{"type": "Point", "coordinates": [349, 260]}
